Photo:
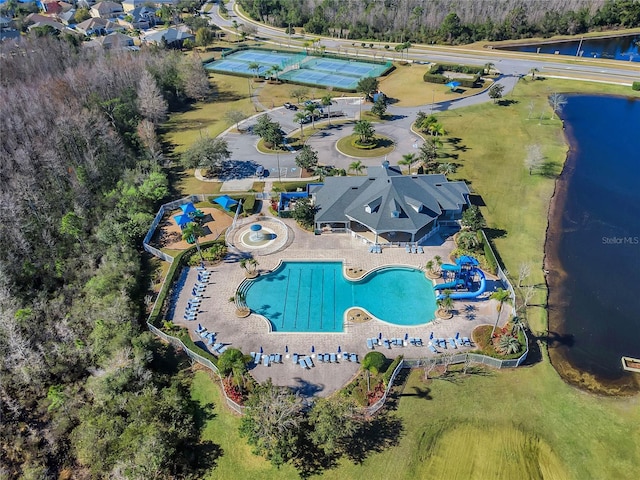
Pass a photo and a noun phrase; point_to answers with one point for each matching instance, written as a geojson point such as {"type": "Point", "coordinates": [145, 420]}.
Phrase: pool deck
{"type": "Point", "coordinates": [249, 334]}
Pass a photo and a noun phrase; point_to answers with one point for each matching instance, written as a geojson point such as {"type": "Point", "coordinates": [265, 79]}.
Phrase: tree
{"type": "Point", "coordinates": [235, 116]}
{"type": "Point", "coordinates": [151, 104]}
{"type": "Point", "coordinates": [533, 72]}
{"type": "Point", "coordinates": [326, 101]}
{"type": "Point", "coordinates": [428, 154]}
{"type": "Point", "coordinates": [272, 422]}
{"type": "Point", "coordinates": [436, 129]}
{"type": "Point", "coordinates": [451, 27]}
{"type": "Point", "coordinates": [269, 131]}
{"type": "Point", "coordinates": [379, 107]}
{"type": "Point", "coordinates": [408, 159]}
{"type": "Point", "coordinates": [365, 131]}
{"type": "Point", "coordinates": [204, 36]}
{"type": "Point", "coordinates": [447, 168]}
{"type": "Point", "coordinates": [523, 272]}
{"type": "Point", "coordinates": [307, 158]}
{"type": "Point", "coordinates": [472, 219]}
{"type": "Point", "coordinates": [300, 93]}
{"type": "Point", "coordinates": [502, 296]}
{"type": "Point", "coordinates": [487, 68]}
{"type": "Point", "coordinates": [374, 362]}
{"type": "Point", "coordinates": [495, 92]}
{"type": "Point", "coordinates": [301, 118]}
{"type": "Point", "coordinates": [250, 265]}
{"type": "Point", "coordinates": [468, 240]}
{"type": "Point", "coordinates": [534, 158]}
{"type": "Point", "coordinates": [313, 112]}
{"type": "Point", "coordinates": [356, 166]}
{"type": "Point", "coordinates": [446, 302]}
{"type": "Point", "coordinates": [508, 344]}
{"type": "Point", "coordinates": [367, 86]}
{"type": "Point", "coordinates": [255, 67]}
{"type": "Point", "coordinates": [334, 421]}
{"type": "Point", "coordinates": [194, 77]}
{"type": "Point", "coordinates": [304, 213]}
{"type": "Point", "coordinates": [275, 70]}
{"type": "Point", "coordinates": [206, 152]}
{"type": "Point", "coordinates": [556, 101]}
{"type": "Point", "coordinates": [81, 15]}
{"type": "Point", "coordinates": [233, 362]}
{"type": "Point", "coordinates": [193, 230]}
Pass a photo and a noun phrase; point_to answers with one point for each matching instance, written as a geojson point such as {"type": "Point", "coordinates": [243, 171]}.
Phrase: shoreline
{"type": "Point", "coordinates": [625, 385]}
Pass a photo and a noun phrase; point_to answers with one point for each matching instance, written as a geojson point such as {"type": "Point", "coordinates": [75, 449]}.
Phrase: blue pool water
{"type": "Point", "coordinates": [313, 296]}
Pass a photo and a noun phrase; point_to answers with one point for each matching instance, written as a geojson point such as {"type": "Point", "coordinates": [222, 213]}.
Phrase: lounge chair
{"type": "Point", "coordinates": [278, 358]}
{"type": "Point", "coordinates": [418, 342]}
{"type": "Point", "coordinates": [379, 249]}
{"type": "Point", "coordinates": [370, 343]}
{"type": "Point", "coordinates": [272, 357]}
{"type": "Point", "coordinates": [204, 333]}
{"type": "Point", "coordinates": [212, 338]}
{"type": "Point", "coordinates": [452, 342]}
{"type": "Point", "coordinates": [223, 349]}
{"type": "Point", "coordinates": [459, 341]}
{"type": "Point", "coordinates": [386, 343]}
{"type": "Point", "coordinates": [321, 357]}
{"type": "Point", "coordinates": [333, 358]}
{"type": "Point", "coordinates": [420, 249]}
{"type": "Point", "coordinates": [302, 363]}
{"type": "Point", "coordinates": [256, 357]}
{"type": "Point", "coordinates": [353, 357]}
{"type": "Point", "coordinates": [216, 347]}
{"type": "Point", "coordinates": [466, 341]}
{"type": "Point", "coordinates": [407, 249]}
{"type": "Point", "coordinates": [295, 358]}
{"type": "Point", "coordinates": [190, 318]}
{"type": "Point", "coordinates": [266, 361]}
{"type": "Point", "coordinates": [200, 329]}
{"type": "Point", "coordinates": [327, 358]}
{"type": "Point", "coordinates": [433, 349]}
{"type": "Point", "coordinates": [442, 343]}
{"type": "Point", "coordinates": [308, 361]}
{"type": "Point", "coordinates": [372, 249]}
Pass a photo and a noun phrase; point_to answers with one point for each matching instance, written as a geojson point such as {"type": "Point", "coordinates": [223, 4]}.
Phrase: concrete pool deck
{"type": "Point", "coordinates": [249, 334]}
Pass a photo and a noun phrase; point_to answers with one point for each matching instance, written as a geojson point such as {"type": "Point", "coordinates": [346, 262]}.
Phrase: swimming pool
{"type": "Point", "coordinates": [313, 296]}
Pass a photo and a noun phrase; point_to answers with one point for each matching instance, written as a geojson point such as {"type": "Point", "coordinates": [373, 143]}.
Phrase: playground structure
{"type": "Point", "coordinates": [462, 275]}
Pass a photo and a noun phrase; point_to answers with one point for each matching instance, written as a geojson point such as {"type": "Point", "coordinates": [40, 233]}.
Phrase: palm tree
{"type": "Point", "coordinates": [446, 168]}
{"type": "Point", "coordinates": [408, 159]}
{"type": "Point", "coordinates": [446, 302]}
{"type": "Point", "coordinates": [275, 70]}
{"type": "Point", "coordinates": [236, 26]}
{"type": "Point", "coordinates": [356, 166]}
{"type": "Point", "coordinates": [487, 67]}
{"type": "Point", "coordinates": [300, 117]}
{"type": "Point", "coordinates": [312, 110]}
{"type": "Point", "coordinates": [429, 153]}
{"type": "Point", "coordinates": [250, 265]}
{"type": "Point", "coordinates": [365, 130]}
{"type": "Point", "coordinates": [326, 101]}
{"type": "Point", "coordinates": [194, 230]}
{"type": "Point", "coordinates": [436, 129]}
{"type": "Point", "coordinates": [508, 344]}
{"type": "Point", "coordinates": [533, 73]}
{"type": "Point", "coordinates": [502, 296]}
{"type": "Point", "coordinates": [255, 66]}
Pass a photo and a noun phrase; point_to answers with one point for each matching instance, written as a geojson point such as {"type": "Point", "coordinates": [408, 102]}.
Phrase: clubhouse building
{"type": "Point", "coordinates": [386, 207]}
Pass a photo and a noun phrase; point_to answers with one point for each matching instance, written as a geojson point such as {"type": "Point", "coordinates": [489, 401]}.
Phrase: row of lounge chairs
{"type": "Point", "coordinates": [453, 343]}
{"type": "Point", "coordinates": [210, 339]}
{"type": "Point", "coordinates": [375, 249]}
{"type": "Point", "coordinates": [266, 359]}
{"type": "Point", "coordinates": [193, 304]}
{"type": "Point", "coordinates": [304, 362]}
{"type": "Point", "coordinates": [413, 249]}
{"type": "Point", "coordinates": [395, 342]}
{"type": "Point", "coordinates": [333, 358]}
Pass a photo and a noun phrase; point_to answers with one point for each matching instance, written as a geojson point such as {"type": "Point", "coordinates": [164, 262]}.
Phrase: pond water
{"type": "Point", "coordinates": [617, 48]}
{"type": "Point", "coordinates": [593, 245]}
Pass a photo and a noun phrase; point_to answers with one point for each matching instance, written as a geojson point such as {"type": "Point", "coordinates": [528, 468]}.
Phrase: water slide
{"type": "Point", "coordinates": [447, 267]}
{"type": "Point", "coordinates": [474, 294]}
{"type": "Point", "coordinates": [453, 284]}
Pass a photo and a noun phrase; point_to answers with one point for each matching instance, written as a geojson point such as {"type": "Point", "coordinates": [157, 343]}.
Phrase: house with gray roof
{"type": "Point", "coordinates": [387, 207]}
{"type": "Point", "coordinates": [171, 37]}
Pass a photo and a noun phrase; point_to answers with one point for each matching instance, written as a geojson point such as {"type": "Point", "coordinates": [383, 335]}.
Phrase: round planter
{"type": "Point", "coordinates": [444, 314]}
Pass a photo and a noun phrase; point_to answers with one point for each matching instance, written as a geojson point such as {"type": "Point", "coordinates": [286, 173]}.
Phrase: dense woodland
{"type": "Point", "coordinates": [445, 21]}
{"type": "Point", "coordinates": [84, 389]}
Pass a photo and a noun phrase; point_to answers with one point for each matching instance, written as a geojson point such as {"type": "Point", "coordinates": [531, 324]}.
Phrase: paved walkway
{"type": "Point", "coordinates": [249, 334]}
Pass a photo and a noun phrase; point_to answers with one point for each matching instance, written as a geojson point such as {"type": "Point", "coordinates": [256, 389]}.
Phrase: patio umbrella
{"type": "Point", "coordinates": [261, 351]}
{"type": "Point", "coordinates": [313, 349]}
{"type": "Point", "coordinates": [431, 336]}
{"type": "Point", "coordinates": [406, 336]}
{"type": "Point", "coordinates": [286, 349]}
{"type": "Point", "coordinates": [225, 201]}
{"type": "Point", "coordinates": [380, 336]}
{"type": "Point", "coordinates": [339, 349]}
{"type": "Point", "coordinates": [182, 220]}
{"type": "Point", "coordinates": [457, 335]}
{"type": "Point", "coordinates": [188, 208]}
{"type": "Point", "coordinates": [452, 85]}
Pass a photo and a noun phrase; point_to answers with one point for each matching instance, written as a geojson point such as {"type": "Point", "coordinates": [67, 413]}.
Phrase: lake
{"type": "Point", "coordinates": [593, 242]}
{"type": "Point", "coordinates": [625, 47]}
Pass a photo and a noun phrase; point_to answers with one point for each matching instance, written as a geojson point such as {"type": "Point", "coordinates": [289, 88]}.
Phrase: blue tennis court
{"type": "Point", "coordinates": [299, 67]}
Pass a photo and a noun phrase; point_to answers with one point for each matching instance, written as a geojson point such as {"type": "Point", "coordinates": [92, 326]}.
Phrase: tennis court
{"type": "Point", "coordinates": [299, 68]}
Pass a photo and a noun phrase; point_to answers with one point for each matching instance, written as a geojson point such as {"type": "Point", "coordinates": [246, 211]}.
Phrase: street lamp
{"type": "Point", "coordinates": [278, 160]}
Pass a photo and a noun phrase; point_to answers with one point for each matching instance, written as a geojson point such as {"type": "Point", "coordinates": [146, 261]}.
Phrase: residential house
{"type": "Point", "coordinates": [171, 37]}
{"type": "Point", "coordinates": [129, 5]}
{"type": "Point", "coordinates": [106, 10]}
{"type": "Point", "coordinates": [98, 26]}
{"type": "Point", "coordinates": [68, 17]}
{"type": "Point", "coordinates": [113, 41]}
{"type": "Point", "coordinates": [385, 206]}
{"type": "Point", "coordinates": [140, 18]}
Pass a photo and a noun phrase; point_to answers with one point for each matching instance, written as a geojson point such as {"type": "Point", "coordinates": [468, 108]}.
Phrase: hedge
{"type": "Point", "coordinates": [184, 336]}
{"type": "Point", "coordinates": [635, 86]}
{"type": "Point", "coordinates": [435, 78]}
{"type": "Point", "coordinates": [387, 375]}
{"type": "Point", "coordinates": [374, 361]}
{"type": "Point", "coordinates": [492, 262]}
{"type": "Point", "coordinates": [441, 67]}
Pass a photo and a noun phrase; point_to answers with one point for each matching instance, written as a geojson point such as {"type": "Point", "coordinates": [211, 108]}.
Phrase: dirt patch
{"type": "Point", "coordinates": [168, 234]}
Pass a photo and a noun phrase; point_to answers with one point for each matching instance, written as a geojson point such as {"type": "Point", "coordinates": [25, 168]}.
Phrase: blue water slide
{"type": "Point", "coordinates": [447, 267]}
{"type": "Point", "coordinates": [474, 294]}
{"type": "Point", "coordinates": [452, 284]}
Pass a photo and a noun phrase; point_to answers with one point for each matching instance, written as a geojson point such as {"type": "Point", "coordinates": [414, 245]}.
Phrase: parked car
{"type": "Point", "coordinates": [290, 106]}
{"type": "Point", "coordinates": [260, 171]}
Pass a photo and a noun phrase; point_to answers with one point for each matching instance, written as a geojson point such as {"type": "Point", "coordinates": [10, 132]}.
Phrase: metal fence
{"type": "Point", "coordinates": [380, 403]}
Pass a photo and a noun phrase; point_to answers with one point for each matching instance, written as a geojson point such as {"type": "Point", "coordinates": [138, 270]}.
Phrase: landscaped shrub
{"type": "Point", "coordinates": [449, 67]}
{"type": "Point", "coordinates": [374, 362]}
{"type": "Point", "coordinates": [492, 262]}
{"type": "Point", "coordinates": [435, 78]}
{"type": "Point", "coordinates": [387, 375]}
{"type": "Point", "coordinates": [635, 86]}
{"type": "Point", "coordinates": [214, 253]}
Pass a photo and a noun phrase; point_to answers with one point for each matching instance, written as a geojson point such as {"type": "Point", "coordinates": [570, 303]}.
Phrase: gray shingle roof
{"type": "Point", "coordinates": [385, 200]}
